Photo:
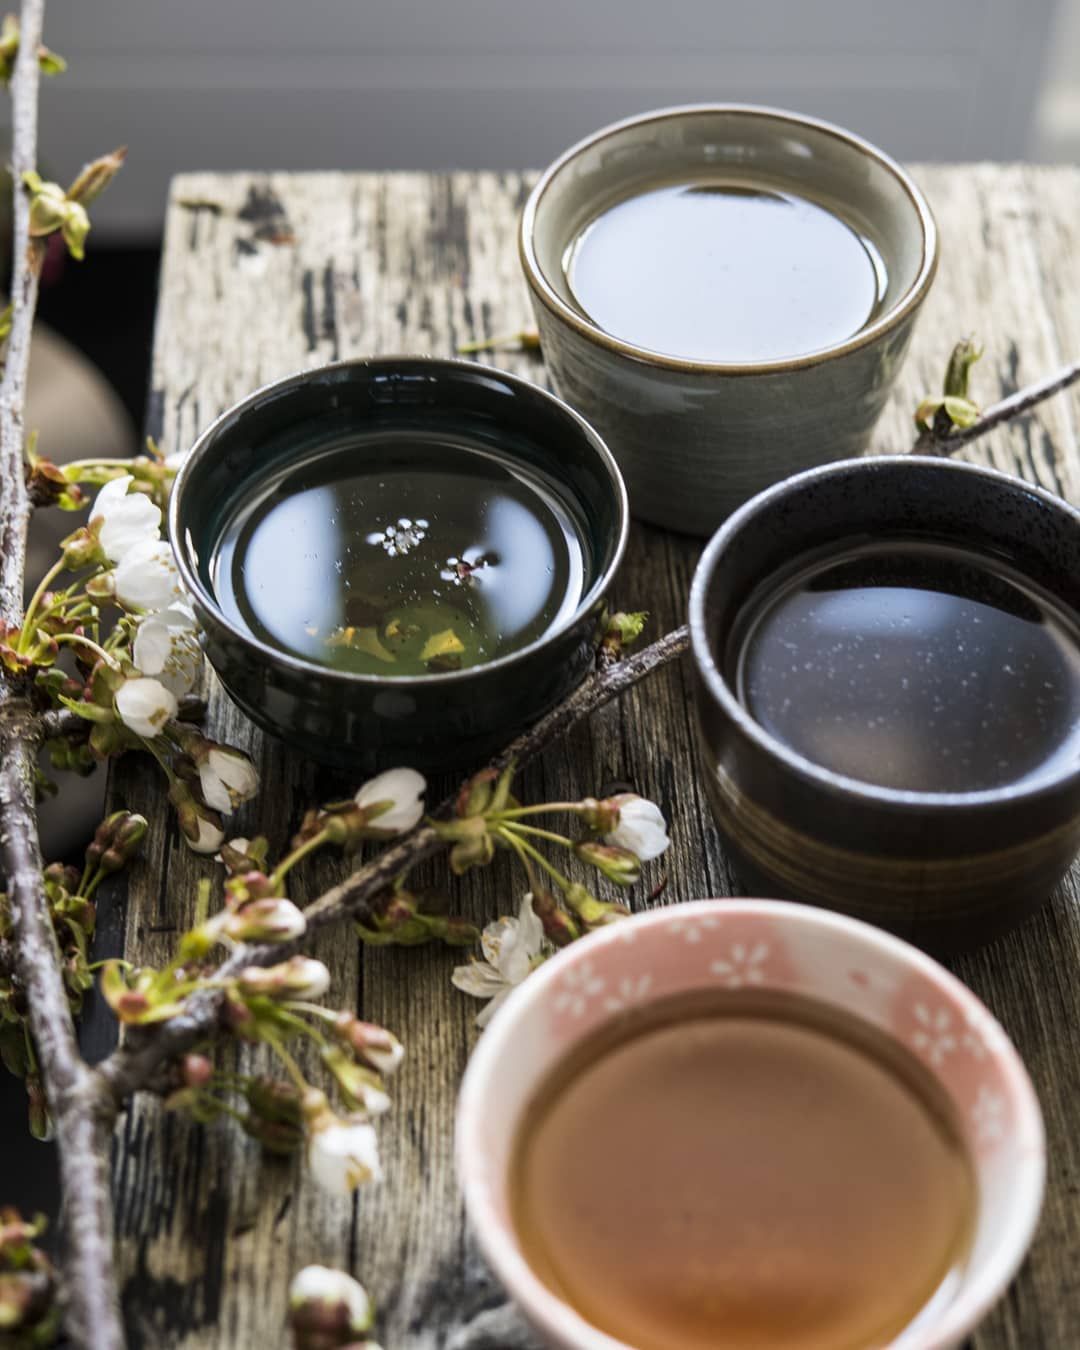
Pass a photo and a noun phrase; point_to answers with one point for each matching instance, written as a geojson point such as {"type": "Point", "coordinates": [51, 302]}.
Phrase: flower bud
{"type": "Point", "coordinates": [592, 912]}
{"type": "Point", "coordinates": [361, 1087]}
{"type": "Point", "coordinates": [617, 864]}
{"type": "Point", "coordinates": [96, 176]}
{"type": "Point", "coordinates": [48, 486]}
{"type": "Point", "coordinates": [81, 549]}
{"type": "Point", "coordinates": [196, 1071]}
{"type": "Point", "coordinates": [299, 977]}
{"type": "Point", "coordinates": [248, 885]}
{"type": "Point", "coordinates": [473, 843]}
{"type": "Point", "coordinates": [560, 928]}
{"type": "Point", "coordinates": [620, 630]}
{"type": "Point", "coordinates": [201, 827]}
{"type": "Point", "coordinates": [274, 1116]}
{"type": "Point", "coordinates": [76, 910]}
{"type": "Point", "coordinates": [63, 876]}
{"type": "Point", "coordinates": [393, 802]}
{"type": "Point", "coordinates": [274, 919]}
{"type": "Point", "coordinates": [476, 794]}
{"type": "Point", "coordinates": [601, 816]}
{"type": "Point", "coordinates": [328, 1309]}
{"type": "Point", "coordinates": [372, 1045]}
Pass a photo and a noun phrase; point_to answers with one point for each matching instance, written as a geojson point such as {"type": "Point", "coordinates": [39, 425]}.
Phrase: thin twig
{"type": "Point", "coordinates": [137, 1060]}
{"type": "Point", "coordinates": [81, 1111]}
{"type": "Point", "coordinates": [999, 413]}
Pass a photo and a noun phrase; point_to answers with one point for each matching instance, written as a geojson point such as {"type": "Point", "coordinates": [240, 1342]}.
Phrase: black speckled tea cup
{"type": "Point", "coordinates": [360, 722]}
{"type": "Point", "coordinates": [946, 869]}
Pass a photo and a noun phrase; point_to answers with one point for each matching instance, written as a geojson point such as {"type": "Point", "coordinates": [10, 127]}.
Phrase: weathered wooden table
{"type": "Point", "coordinates": [263, 275]}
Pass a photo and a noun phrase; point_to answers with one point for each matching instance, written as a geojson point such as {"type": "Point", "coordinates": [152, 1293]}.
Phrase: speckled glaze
{"type": "Point", "coordinates": [452, 720]}
{"type": "Point", "coordinates": [948, 870]}
{"type": "Point", "coordinates": [695, 439]}
{"type": "Point", "coordinates": [766, 945]}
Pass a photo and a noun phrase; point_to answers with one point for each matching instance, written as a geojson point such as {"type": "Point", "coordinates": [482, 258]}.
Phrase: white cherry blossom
{"type": "Point", "coordinates": [512, 949]}
{"type": "Point", "coordinates": [166, 647]}
{"type": "Point", "coordinates": [401, 791]}
{"type": "Point", "coordinates": [641, 827]}
{"type": "Point", "coordinates": [227, 777]}
{"type": "Point", "coordinates": [146, 576]}
{"type": "Point", "coordinates": [144, 705]}
{"type": "Point", "coordinates": [343, 1155]}
{"type": "Point", "coordinates": [127, 519]}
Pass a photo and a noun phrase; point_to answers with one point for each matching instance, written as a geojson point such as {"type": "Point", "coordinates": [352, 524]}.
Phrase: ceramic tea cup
{"type": "Point", "coordinates": [947, 868]}
{"type": "Point", "coordinates": [368, 415]}
{"type": "Point", "coordinates": [852, 968]}
{"type": "Point", "coordinates": [695, 438]}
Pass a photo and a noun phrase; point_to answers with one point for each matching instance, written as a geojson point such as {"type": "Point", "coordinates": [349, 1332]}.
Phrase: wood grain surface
{"type": "Point", "coordinates": [271, 273]}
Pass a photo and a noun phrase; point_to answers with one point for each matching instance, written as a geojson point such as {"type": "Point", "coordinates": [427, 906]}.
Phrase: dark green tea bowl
{"type": "Point", "coordinates": [285, 512]}
{"type": "Point", "coordinates": [887, 659]}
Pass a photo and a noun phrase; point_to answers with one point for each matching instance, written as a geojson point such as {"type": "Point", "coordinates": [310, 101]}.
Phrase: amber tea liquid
{"type": "Point", "coordinates": [742, 1170]}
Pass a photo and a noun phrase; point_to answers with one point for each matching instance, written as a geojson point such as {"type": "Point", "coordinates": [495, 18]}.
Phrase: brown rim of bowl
{"type": "Point", "coordinates": [907, 303]}
{"type": "Point", "coordinates": [828, 781]}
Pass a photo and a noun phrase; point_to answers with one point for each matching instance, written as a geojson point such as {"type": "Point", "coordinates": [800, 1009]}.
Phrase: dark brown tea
{"type": "Point", "coordinates": [726, 272]}
{"type": "Point", "coordinates": [914, 665]}
{"type": "Point", "coordinates": [742, 1170]}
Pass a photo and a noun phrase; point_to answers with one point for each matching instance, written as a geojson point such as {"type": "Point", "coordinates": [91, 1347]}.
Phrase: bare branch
{"type": "Point", "coordinates": [81, 1111]}
{"type": "Point", "coordinates": [26, 268]}
{"type": "Point", "coordinates": [135, 1062]}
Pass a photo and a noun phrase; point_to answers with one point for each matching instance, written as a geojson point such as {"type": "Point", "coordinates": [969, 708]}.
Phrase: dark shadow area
{"type": "Point", "coordinates": [105, 307]}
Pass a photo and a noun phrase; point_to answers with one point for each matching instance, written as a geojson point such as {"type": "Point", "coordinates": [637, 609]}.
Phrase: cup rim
{"type": "Point", "coordinates": [479, 1093]}
{"type": "Point", "coordinates": [904, 306]}
{"type": "Point", "coordinates": [204, 444]}
{"type": "Point", "coordinates": [820, 777]}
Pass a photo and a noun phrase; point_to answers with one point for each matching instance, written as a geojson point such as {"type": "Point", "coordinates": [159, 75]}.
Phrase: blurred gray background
{"type": "Point", "coordinates": [220, 84]}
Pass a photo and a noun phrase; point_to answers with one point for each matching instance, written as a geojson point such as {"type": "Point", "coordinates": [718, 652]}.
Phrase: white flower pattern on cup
{"type": "Point", "coordinates": [692, 930]}
{"type": "Point", "coordinates": [631, 990]}
{"type": "Point", "coordinates": [744, 965]}
{"type": "Point", "coordinates": [988, 1116]}
{"type": "Point", "coordinates": [579, 985]}
{"type": "Point", "coordinates": [934, 1036]}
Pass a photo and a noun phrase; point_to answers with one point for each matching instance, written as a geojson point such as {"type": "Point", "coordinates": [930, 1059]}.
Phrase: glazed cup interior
{"type": "Point", "coordinates": [737, 143]}
{"type": "Point", "coordinates": [298, 417]}
{"type": "Point", "coordinates": [772, 945]}
{"type": "Point", "coordinates": [911, 496]}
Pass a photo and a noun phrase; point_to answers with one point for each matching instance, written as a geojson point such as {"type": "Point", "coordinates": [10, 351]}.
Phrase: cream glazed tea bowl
{"type": "Point", "coordinates": [726, 293]}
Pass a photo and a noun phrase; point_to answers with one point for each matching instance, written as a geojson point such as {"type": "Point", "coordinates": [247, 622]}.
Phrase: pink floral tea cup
{"type": "Point", "coordinates": [765, 945]}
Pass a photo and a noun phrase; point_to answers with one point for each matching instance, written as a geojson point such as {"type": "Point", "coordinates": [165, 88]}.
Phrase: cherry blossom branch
{"type": "Point", "coordinates": [81, 1110]}
{"type": "Point", "coordinates": [938, 443]}
{"type": "Point", "coordinates": [137, 1061]}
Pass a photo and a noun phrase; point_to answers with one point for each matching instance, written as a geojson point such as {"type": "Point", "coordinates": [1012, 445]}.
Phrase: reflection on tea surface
{"type": "Point", "coordinates": [725, 272]}
{"type": "Point", "coordinates": [913, 665]}
{"type": "Point", "coordinates": [739, 1170]}
{"type": "Point", "coordinates": [394, 556]}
